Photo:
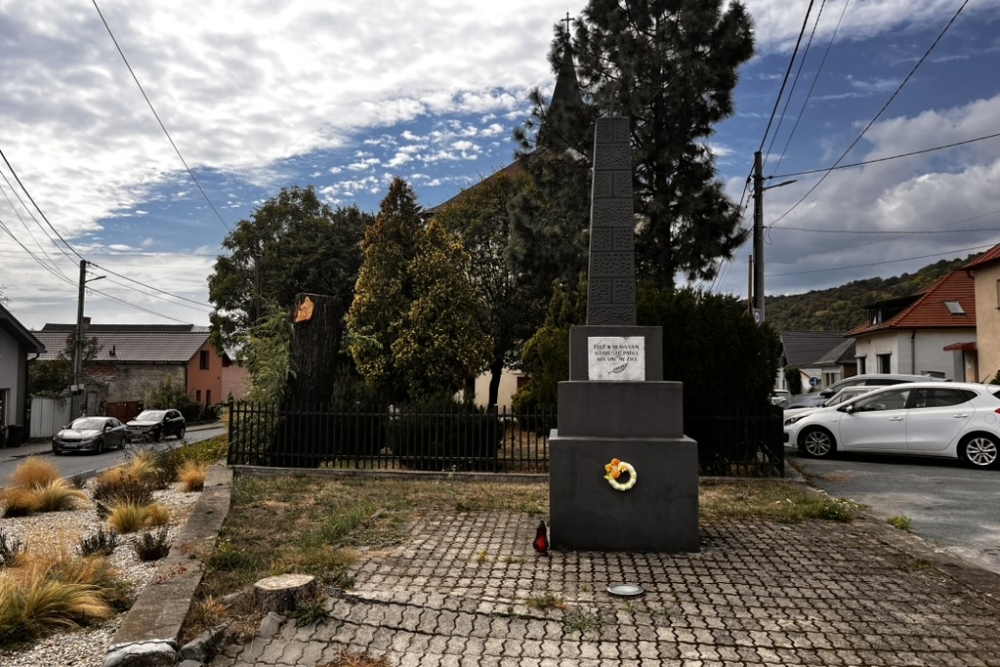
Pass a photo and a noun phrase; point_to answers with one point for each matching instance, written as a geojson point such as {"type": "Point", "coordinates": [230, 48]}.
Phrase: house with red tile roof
{"type": "Point", "coordinates": [918, 333]}
{"type": "Point", "coordinates": [131, 357]}
{"type": "Point", "coordinates": [982, 357]}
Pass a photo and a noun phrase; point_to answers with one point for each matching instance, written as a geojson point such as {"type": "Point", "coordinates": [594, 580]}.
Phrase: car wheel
{"type": "Point", "coordinates": [100, 446]}
{"type": "Point", "coordinates": [56, 451]}
{"type": "Point", "coordinates": [980, 451]}
{"type": "Point", "coordinates": [180, 433]}
{"type": "Point", "coordinates": [156, 435]}
{"type": "Point", "coordinates": [817, 442]}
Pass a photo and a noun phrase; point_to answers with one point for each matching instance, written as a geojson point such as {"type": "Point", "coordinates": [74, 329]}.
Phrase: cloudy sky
{"type": "Point", "coordinates": [259, 95]}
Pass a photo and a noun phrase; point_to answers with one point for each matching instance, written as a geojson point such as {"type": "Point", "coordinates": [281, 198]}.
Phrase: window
{"type": "Point", "coordinates": [197, 395]}
{"type": "Point", "coordinates": [204, 360]}
{"type": "Point", "coordinates": [954, 307]}
{"type": "Point", "coordinates": [894, 399]}
{"type": "Point", "coordinates": [941, 398]}
{"type": "Point", "coordinates": [884, 363]}
{"type": "Point", "coordinates": [208, 397]}
{"type": "Point", "coordinates": [998, 294]}
{"type": "Point", "coordinates": [861, 365]}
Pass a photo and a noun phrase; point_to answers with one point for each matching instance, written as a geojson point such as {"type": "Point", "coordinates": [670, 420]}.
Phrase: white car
{"type": "Point", "coordinates": [955, 420]}
{"type": "Point", "coordinates": [844, 394]}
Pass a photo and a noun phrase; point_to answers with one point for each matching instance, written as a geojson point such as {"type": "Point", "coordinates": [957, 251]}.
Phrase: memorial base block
{"type": "Point", "coordinates": [660, 513]}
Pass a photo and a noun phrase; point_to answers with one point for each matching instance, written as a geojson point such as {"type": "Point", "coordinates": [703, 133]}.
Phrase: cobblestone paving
{"type": "Point", "coordinates": [757, 593]}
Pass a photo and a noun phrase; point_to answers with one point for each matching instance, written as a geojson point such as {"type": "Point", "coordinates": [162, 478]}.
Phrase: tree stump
{"type": "Point", "coordinates": [284, 593]}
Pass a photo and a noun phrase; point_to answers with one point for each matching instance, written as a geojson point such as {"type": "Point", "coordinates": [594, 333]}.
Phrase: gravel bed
{"type": "Point", "coordinates": [62, 531]}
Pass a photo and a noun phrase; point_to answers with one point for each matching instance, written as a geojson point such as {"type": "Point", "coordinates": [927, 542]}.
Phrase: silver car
{"type": "Point", "coordinates": [93, 434]}
{"type": "Point", "coordinates": [954, 420]}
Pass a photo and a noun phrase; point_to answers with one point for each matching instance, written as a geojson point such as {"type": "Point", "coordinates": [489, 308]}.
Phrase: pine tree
{"type": "Point", "coordinates": [670, 66]}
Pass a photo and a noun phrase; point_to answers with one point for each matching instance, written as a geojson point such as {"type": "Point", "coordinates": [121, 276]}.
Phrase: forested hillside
{"type": "Point", "coordinates": [843, 308]}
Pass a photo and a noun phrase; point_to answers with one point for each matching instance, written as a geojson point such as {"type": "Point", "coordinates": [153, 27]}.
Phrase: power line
{"type": "Point", "coordinates": [791, 61]}
{"type": "Point", "coordinates": [157, 116]}
{"type": "Point", "coordinates": [812, 87]}
{"type": "Point", "coordinates": [37, 208]}
{"type": "Point", "coordinates": [877, 116]}
{"type": "Point", "coordinates": [887, 261]}
{"type": "Point", "coordinates": [795, 82]}
{"type": "Point", "coordinates": [155, 289]}
{"type": "Point", "coordinates": [885, 159]}
{"type": "Point", "coordinates": [845, 231]}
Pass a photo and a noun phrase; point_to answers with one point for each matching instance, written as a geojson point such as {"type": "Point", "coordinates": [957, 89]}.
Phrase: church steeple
{"type": "Point", "coordinates": [566, 96]}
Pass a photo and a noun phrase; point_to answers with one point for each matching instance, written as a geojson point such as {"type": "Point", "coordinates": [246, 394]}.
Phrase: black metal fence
{"type": "Point", "coordinates": [440, 437]}
{"type": "Point", "coordinates": [746, 443]}
{"type": "Point", "coordinates": [452, 437]}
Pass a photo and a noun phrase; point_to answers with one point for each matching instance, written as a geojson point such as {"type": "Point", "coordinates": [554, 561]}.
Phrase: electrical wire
{"type": "Point", "coordinates": [812, 87]}
{"type": "Point", "coordinates": [888, 261]}
{"type": "Point", "coordinates": [886, 159]}
{"type": "Point", "coordinates": [200, 304]}
{"type": "Point", "coordinates": [795, 82]}
{"type": "Point", "coordinates": [784, 81]}
{"type": "Point", "coordinates": [877, 116]}
{"type": "Point", "coordinates": [157, 116]}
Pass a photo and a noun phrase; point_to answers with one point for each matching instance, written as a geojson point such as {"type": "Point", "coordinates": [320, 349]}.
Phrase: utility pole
{"type": "Point", "coordinates": [758, 237]}
{"type": "Point", "coordinates": [77, 390]}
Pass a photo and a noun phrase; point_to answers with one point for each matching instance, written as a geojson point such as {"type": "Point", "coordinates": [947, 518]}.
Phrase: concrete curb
{"type": "Point", "coordinates": [149, 634]}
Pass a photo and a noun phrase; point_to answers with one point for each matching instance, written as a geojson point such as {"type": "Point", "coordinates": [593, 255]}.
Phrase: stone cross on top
{"type": "Point", "coordinates": [611, 277]}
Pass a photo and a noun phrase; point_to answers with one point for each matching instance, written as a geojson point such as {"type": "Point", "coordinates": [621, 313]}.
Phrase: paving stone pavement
{"type": "Point", "coordinates": [758, 593]}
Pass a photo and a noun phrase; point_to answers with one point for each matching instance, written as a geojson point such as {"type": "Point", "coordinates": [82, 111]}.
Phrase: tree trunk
{"type": "Point", "coordinates": [302, 437]}
{"type": "Point", "coordinates": [496, 371]}
{"type": "Point", "coordinates": [284, 593]}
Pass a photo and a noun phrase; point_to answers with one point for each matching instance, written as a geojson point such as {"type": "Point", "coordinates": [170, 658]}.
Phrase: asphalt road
{"type": "Point", "coordinates": [89, 464]}
{"type": "Point", "coordinates": [953, 507]}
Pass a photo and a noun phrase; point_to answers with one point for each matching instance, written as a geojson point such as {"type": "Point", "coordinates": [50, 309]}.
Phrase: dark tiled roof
{"type": "Point", "coordinates": [806, 348]}
{"type": "Point", "coordinates": [17, 330]}
{"type": "Point", "coordinates": [135, 343]}
{"type": "Point", "coordinates": [511, 170]}
{"type": "Point", "coordinates": [989, 257]}
{"type": "Point", "coordinates": [842, 354]}
{"type": "Point", "coordinates": [928, 310]}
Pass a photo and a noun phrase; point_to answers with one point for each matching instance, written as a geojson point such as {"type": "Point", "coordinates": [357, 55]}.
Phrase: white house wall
{"type": "Point", "coordinates": [921, 354]}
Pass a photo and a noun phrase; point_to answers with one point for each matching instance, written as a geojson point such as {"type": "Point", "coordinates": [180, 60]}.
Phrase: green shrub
{"type": "Point", "coordinates": [170, 393]}
{"type": "Point", "coordinates": [444, 435]}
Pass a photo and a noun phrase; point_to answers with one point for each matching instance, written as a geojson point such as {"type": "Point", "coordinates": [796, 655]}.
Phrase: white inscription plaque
{"type": "Point", "coordinates": [617, 358]}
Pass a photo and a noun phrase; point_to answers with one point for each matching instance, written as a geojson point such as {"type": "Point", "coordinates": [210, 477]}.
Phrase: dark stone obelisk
{"type": "Point", "coordinates": [616, 404]}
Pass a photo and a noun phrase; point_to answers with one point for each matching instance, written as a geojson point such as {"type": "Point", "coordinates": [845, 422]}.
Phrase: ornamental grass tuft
{"type": "Point", "coordinates": [192, 476]}
{"type": "Point", "coordinates": [58, 495]}
{"type": "Point", "coordinates": [34, 473]}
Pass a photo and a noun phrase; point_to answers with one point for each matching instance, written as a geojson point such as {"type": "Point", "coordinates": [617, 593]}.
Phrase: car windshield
{"type": "Point", "coordinates": [150, 415]}
{"type": "Point", "coordinates": [87, 424]}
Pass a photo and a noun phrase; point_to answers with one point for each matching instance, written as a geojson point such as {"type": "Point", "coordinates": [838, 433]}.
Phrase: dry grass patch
{"type": "Point", "coordinates": [356, 659]}
{"type": "Point", "coordinates": [18, 502]}
{"type": "Point", "coordinates": [772, 500]}
{"type": "Point", "coordinates": [127, 517]}
{"type": "Point", "coordinates": [192, 476]}
{"type": "Point", "coordinates": [48, 593]}
{"type": "Point", "coordinates": [34, 473]}
{"type": "Point", "coordinates": [59, 495]}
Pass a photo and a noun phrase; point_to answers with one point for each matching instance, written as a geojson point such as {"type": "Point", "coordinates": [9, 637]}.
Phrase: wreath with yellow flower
{"type": "Point", "coordinates": [615, 469]}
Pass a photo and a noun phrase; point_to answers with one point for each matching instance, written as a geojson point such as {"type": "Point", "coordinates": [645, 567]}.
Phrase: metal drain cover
{"type": "Point", "coordinates": [626, 590]}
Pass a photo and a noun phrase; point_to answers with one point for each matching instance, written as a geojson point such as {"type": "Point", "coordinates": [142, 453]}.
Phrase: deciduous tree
{"type": "Point", "coordinates": [480, 219]}
{"type": "Point", "coordinates": [292, 243]}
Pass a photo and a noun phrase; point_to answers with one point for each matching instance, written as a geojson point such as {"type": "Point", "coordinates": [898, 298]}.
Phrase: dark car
{"type": "Point", "coordinates": [94, 434]}
{"type": "Point", "coordinates": [157, 424]}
